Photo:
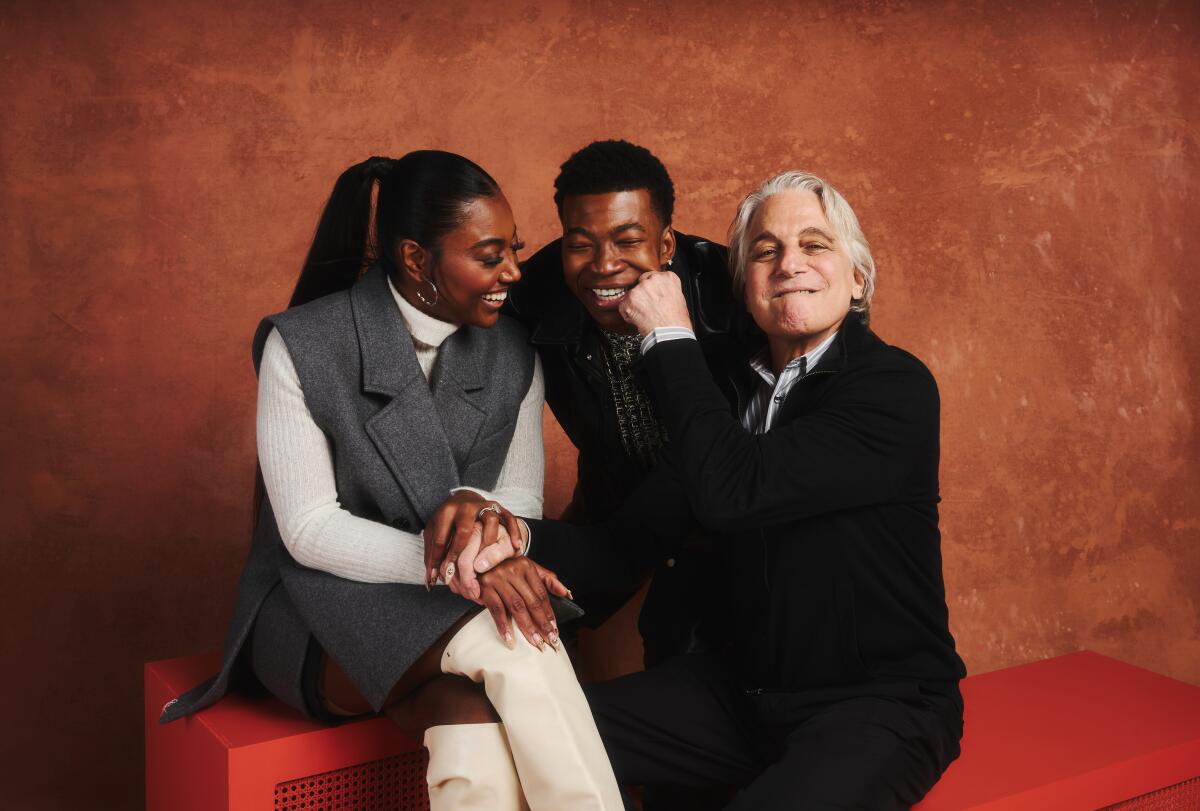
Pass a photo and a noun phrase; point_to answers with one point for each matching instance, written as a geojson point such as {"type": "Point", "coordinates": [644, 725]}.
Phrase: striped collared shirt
{"type": "Point", "coordinates": [772, 391]}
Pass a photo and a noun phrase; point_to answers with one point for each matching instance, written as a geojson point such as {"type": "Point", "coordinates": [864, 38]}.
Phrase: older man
{"type": "Point", "coordinates": [814, 471]}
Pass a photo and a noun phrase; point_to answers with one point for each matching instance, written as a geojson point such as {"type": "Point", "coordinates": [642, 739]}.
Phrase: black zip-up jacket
{"type": "Point", "coordinates": [826, 527]}
{"type": "Point", "coordinates": [578, 392]}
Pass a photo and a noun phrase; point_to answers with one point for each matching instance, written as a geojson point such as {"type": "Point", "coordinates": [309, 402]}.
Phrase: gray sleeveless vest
{"type": "Point", "coordinates": [400, 444]}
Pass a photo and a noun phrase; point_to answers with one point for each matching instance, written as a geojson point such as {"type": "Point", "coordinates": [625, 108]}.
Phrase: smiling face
{"type": "Point", "coordinates": [472, 267]}
{"type": "Point", "coordinates": [799, 279]}
{"type": "Point", "coordinates": [609, 241]}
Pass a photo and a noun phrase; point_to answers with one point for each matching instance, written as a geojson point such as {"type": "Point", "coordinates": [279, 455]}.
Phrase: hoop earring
{"type": "Point", "coordinates": [424, 300]}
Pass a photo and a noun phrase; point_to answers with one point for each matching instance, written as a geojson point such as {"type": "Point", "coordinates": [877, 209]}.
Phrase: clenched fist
{"type": "Point", "coordinates": [656, 301]}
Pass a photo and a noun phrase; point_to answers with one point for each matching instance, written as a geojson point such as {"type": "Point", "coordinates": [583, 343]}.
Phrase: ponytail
{"type": "Point", "coordinates": [342, 246]}
{"type": "Point", "coordinates": [422, 196]}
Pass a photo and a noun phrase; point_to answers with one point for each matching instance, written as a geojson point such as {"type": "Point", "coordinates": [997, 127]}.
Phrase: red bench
{"type": "Point", "coordinates": [1079, 731]}
{"type": "Point", "coordinates": [258, 754]}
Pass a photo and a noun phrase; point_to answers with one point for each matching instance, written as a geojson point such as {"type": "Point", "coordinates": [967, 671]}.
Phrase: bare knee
{"type": "Point", "coordinates": [444, 699]}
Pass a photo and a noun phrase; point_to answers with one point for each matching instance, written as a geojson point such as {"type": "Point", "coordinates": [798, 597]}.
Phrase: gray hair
{"type": "Point", "coordinates": [837, 211]}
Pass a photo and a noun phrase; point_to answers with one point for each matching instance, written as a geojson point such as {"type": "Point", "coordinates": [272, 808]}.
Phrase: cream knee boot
{"type": "Point", "coordinates": [471, 769]}
{"type": "Point", "coordinates": [555, 746]}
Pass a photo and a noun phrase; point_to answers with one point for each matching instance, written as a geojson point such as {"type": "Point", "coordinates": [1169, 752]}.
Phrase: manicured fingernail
{"type": "Point", "coordinates": [553, 637]}
{"type": "Point", "coordinates": [570, 595]}
{"type": "Point", "coordinates": [554, 624]}
{"type": "Point", "coordinates": [508, 640]}
{"type": "Point", "coordinates": [537, 640]}
{"type": "Point", "coordinates": [432, 576]}
{"type": "Point", "coordinates": [449, 571]}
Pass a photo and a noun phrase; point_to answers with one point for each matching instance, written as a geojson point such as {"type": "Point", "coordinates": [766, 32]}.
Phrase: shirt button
{"type": "Point", "coordinates": [670, 563]}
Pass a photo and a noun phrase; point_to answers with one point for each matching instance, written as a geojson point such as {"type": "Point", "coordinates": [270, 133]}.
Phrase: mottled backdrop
{"type": "Point", "coordinates": [1028, 180]}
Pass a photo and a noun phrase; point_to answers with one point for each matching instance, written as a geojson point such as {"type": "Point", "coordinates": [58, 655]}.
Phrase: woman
{"type": "Point", "coordinates": [381, 393]}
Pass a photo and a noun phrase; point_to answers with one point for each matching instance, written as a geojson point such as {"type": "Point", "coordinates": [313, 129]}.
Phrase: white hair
{"type": "Point", "coordinates": [837, 211]}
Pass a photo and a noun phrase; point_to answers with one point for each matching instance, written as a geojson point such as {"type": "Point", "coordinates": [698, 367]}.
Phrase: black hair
{"type": "Point", "coordinates": [421, 197]}
{"type": "Point", "coordinates": [602, 167]}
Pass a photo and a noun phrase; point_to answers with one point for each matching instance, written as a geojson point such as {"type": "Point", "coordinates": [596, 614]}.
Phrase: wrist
{"type": "Point", "coordinates": [663, 334]}
{"type": "Point", "coordinates": [524, 536]}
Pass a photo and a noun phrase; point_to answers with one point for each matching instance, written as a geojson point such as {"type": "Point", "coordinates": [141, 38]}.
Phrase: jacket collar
{"type": "Point", "coordinates": [854, 337]}
{"type": "Point", "coordinates": [388, 358]}
{"type": "Point", "coordinates": [565, 322]}
{"type": "Point", "coordinates": [389, 361]}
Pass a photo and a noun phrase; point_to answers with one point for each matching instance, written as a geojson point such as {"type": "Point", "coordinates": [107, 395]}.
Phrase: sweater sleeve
{"type": "Point", "coordinates": [297, 468]}
{"type": "Point", "coordinates": [519, 485]}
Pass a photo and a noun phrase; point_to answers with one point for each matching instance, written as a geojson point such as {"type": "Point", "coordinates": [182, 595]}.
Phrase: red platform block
{"type": "Point", "coordinates": [246, 754]}
{"type": "Point", "coordinates": [1077, 732]}
{"type": "Point", "coordinates": [1081, 731]}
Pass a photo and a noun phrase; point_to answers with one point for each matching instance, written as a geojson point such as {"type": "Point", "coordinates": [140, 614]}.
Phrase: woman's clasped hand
{"type": "Point", "coordinates": [474, 546]}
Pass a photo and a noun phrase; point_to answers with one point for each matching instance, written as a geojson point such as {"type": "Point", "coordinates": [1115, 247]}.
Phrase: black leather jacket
{"type": "Point", "coordinates": [577, 389]}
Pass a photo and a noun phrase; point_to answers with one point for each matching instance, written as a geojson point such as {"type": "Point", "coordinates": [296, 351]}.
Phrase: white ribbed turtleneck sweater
{"type": "Point", "coordinates": [297, 468]}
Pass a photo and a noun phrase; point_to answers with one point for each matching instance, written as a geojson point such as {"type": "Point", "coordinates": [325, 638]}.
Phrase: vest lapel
{"type": "Point", "coordinates": [458, 391]}
{"type": "Point", "coordinates": [406, 431]}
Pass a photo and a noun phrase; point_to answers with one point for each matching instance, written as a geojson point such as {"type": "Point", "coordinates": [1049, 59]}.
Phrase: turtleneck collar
{"type": "Point", "coordinates": [424, 328]}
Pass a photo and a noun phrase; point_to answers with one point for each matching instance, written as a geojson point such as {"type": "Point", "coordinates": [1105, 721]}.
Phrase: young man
{"type": "Point", "coordinates": [615, 201]}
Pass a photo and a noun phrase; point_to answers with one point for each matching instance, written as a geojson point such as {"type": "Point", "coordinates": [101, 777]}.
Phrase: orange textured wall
{"type": "Point", "coordinates": [1028, 180]}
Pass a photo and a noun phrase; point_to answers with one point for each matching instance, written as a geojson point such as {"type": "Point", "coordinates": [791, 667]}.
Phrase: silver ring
{"type": "Point", "coordinates": [491, 508]}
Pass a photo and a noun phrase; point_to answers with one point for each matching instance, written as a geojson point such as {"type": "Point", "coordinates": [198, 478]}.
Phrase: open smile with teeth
{"type": "Point", "coordinates": [496, 298]}
{"type": "Point", "coordinates": [789, 292]}
{"type": "Point", "coordinates": [609, 293]}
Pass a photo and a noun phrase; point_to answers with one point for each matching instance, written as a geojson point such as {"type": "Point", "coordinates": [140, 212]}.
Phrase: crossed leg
{"type": "Point", "coordinates": [547, 729]}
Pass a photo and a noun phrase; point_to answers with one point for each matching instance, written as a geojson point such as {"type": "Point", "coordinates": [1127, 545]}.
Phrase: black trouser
{"type": "Point", "coordinates": [685, 724]}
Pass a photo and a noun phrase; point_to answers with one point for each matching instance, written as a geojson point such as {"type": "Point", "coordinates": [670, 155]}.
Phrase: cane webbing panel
{"type": "Point", "coordinates": [1183, 796]}
{"type": "Point", "coordinates": [391, 784]}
